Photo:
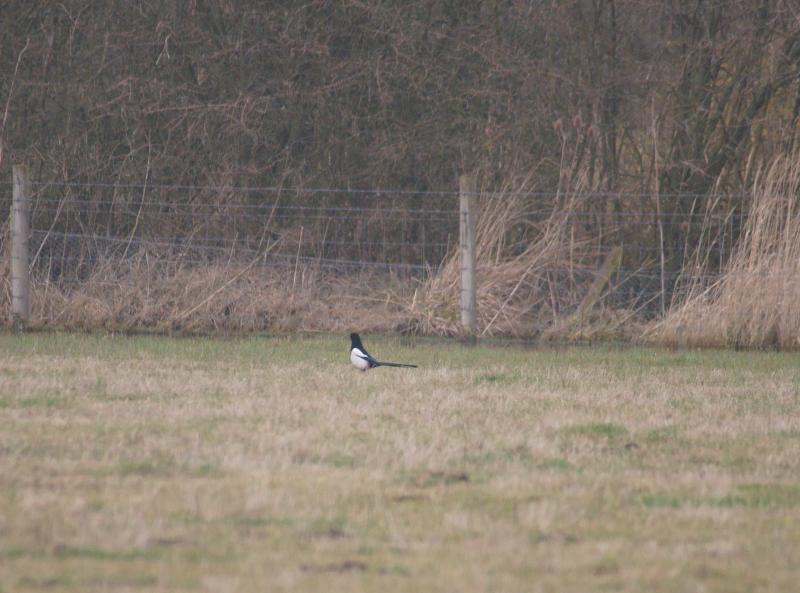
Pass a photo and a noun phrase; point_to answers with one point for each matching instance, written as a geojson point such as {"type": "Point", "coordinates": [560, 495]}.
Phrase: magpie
{"type": "Point", "coordinates": [362, 360]}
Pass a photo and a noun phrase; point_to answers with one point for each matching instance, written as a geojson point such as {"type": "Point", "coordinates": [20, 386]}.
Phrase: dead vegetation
{"type": "Point", "coordinates": [219, 298]}
{"type": "Point", "coordinates": [537, 276]}
{"type": "Point", "coordinates": [537, 270]}
{"type": "Point", "coordinates": [756, 301]}
{"type": "Point", "coordinates": [523, 269]}
{"type": "Point", "coordinates": [635, 113]}
{"type": "Point", "coordinates": [547, 267]}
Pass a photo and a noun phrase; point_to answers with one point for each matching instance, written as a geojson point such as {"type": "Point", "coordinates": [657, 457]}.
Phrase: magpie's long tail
{"type": "Point", "coordinates": [397, 364]}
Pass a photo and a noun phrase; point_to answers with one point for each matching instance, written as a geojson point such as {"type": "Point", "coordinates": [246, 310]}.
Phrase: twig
{"type": "Point", "coordinates": [10, 94]}
{"type": "Point", "coordinates": [141, 204]}
{"type": "Point", "coordinates": [297, 262]}
{"type": "Point", "coordinates": [247, 268]}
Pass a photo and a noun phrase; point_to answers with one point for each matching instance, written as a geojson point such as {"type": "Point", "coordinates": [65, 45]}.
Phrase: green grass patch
{"type": "Point", "coordinates": [41, 401]}
{"type": "Point", "coordinates": [662, 435]}
{"type": "Point", "coordinates": [771, 495]}
{"type": "Point", "coordinates": [598, 429]}
{"type": "Point", "coordinates": [556, 465]}
{"type": "Point", "coordinates": [329, 527]}
{"type": "Point", "coordinates": [656, 501]}
{"type": "Point", "coordinates": [101, 554]}
{"type": "Point", "coordinates": [750, 495]}
{"type": "Point", "coordinates": [340, 460]}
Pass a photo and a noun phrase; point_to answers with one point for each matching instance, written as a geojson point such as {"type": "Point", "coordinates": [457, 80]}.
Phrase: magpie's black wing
{"type": "Point", "coordinates": [372, 362]}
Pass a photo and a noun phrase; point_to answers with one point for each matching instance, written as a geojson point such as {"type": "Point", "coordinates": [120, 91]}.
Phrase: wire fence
{"type": "Point", "coordinates": [405, 235]}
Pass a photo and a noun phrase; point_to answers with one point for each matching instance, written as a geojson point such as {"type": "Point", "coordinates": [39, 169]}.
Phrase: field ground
{"type": "Point", "coordinates": [269, 464]}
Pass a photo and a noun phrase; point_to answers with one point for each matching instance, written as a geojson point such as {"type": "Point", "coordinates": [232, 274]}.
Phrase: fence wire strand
{"type": "Point", "coordinates": [81, 228]}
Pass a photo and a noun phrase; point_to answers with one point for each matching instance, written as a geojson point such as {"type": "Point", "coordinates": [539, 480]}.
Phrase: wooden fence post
{"type": "Point", "coordinates": [468, 213]}
{"type": "Point", "coordinates": [20, 258]}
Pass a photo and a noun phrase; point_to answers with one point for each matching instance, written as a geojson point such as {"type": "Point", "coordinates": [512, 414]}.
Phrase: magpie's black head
{"type": "Point", "coordinates": [355, 342]}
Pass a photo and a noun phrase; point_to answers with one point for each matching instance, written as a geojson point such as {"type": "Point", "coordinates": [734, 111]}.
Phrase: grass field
{"type": "Point", "coordinates": [156, 464]}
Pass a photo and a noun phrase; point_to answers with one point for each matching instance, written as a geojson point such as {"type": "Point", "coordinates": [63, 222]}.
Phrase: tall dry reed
{"type": "Point", "coordinates": [519, 259]}
{"type": "Point", "coordinates": [756, 301]}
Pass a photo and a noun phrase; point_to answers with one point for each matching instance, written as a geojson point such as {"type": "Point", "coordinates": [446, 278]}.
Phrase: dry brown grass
{"type": "Point", "coordinates": [534, 274]}
{"type": "Point", "coordinates": [143, 295]}
{"type": "Point", "coordinates": [530, 270]}
{"type": "Point", "coordinates": [756, 301]}
{"type": "Point", "coordinates": [156, 464]}
{"type": "Point", "coordinates": [525, 270]}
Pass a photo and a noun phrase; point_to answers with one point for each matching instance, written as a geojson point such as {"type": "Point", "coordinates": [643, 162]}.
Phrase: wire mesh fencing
{"type": "Point", "coordinates": [160, 239]}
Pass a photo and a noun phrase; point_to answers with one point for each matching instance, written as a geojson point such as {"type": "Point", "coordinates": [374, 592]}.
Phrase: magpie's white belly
{"type": "Point", "coordinates": [357, 361]}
